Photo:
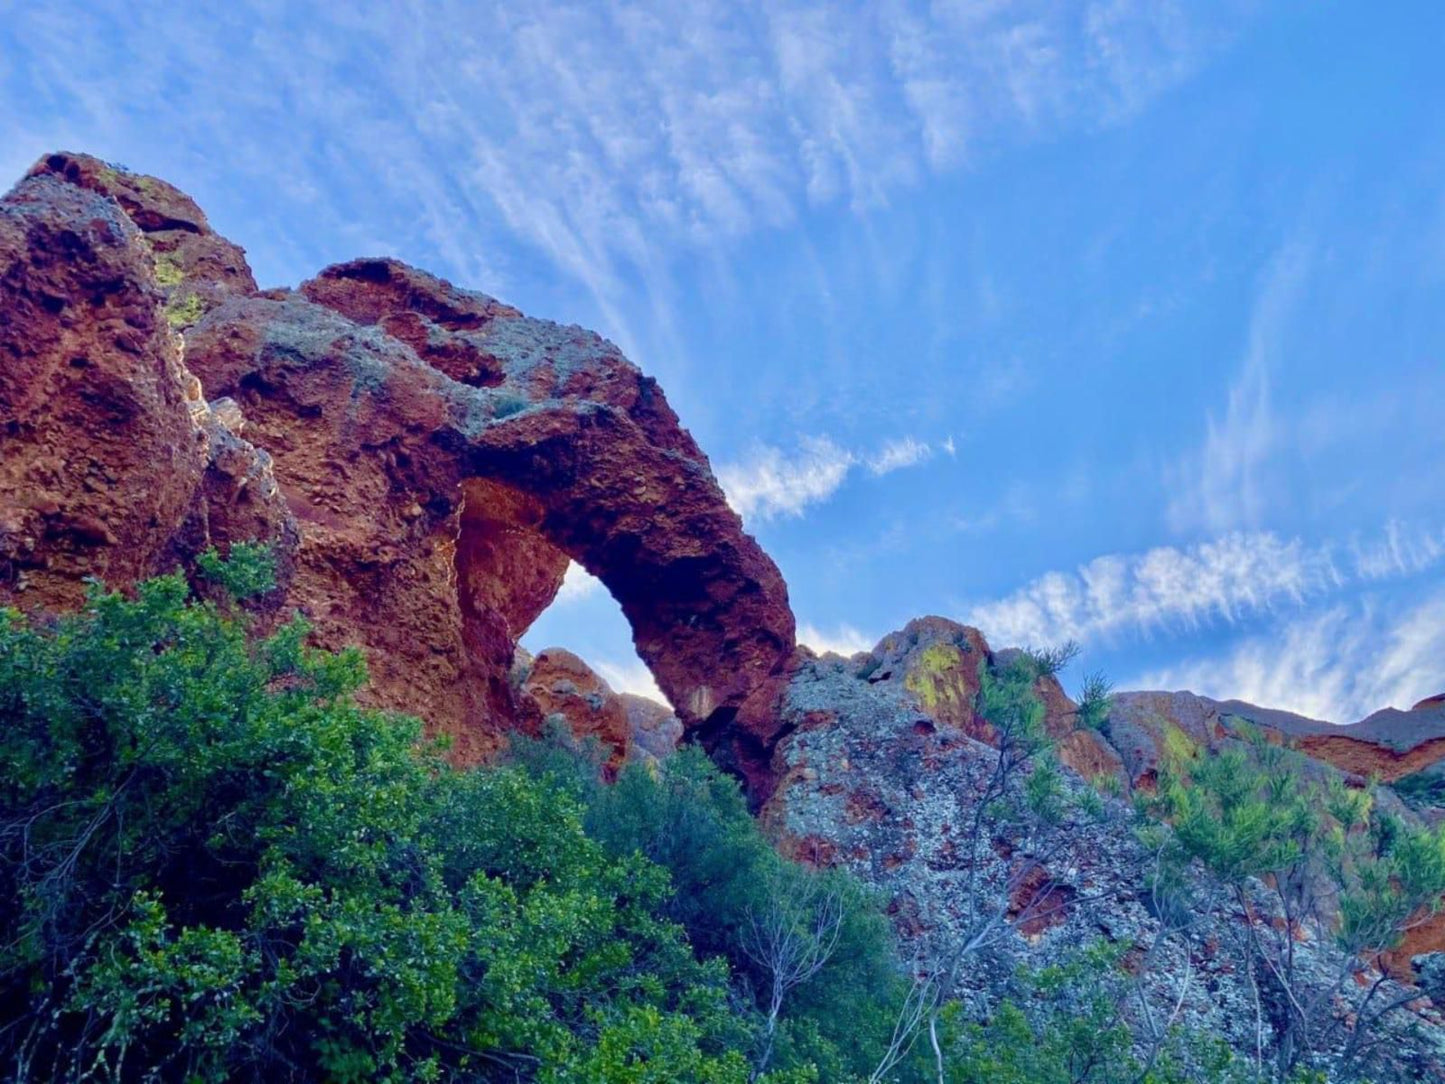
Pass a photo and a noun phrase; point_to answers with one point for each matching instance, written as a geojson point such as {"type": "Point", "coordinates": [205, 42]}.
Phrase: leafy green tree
{"type": "Point", "coordinates": [1095, 700]}
{"type": "Point", "coordinates": [730, 886]}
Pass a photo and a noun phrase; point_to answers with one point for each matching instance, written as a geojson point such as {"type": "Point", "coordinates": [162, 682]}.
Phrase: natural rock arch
{"type": "Point", "coordinates": [441, 457]}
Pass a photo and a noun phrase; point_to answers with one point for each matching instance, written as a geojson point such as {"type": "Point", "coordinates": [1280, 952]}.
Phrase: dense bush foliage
{"type": "Point", "coordinates": [222, 868]}
{"type": "Point", "coordinates": [689, 818]}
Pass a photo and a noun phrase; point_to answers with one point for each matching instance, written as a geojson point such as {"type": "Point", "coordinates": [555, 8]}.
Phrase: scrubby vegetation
{"type": "Point", "coordinates": [220, 867]}
{"type": "Point", "coordinates": [1301, 850]}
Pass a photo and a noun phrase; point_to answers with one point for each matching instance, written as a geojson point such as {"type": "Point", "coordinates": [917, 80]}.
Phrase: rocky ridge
{"type": "Point", "coordinates": [883, 758]}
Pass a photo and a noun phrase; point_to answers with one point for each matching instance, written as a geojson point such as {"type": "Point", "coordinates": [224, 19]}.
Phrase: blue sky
{"type": "Point", "coordinates": [1119, 320]}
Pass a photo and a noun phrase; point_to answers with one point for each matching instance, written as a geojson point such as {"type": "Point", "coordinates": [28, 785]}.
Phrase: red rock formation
{"type": "Point", "coordinates": [194, 267]}
{"type": "Point", "coordinates": [442, 455]}
{"type": "Point", "coordinates": [562, 684]}
{"type": "Point", "coordinates": [426, 461]}
{"type": "Point", "coordinates": [1367, 758]}
{"type": "Point", "coordinates": [938, 661]}
{"type": "Point", "coordinates": [111, 464]}
{"type": "Point", "coordinates": [1089, 753]}
{"type": "Point", "coordinates": [1424, 934]}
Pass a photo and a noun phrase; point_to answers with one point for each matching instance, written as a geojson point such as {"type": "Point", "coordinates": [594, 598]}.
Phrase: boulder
{"type": "Point", "coordinates": [654, 730]}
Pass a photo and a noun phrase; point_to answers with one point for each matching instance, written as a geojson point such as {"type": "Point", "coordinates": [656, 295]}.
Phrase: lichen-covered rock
{"type": "Point", "coordinates": [938, 663]}
{"type": "Point", "coordinates": [870, 781]}
{"type": "Point", "coordinates": [193, 266]}
{"type": "Point", "coordinates": [1430, 968]}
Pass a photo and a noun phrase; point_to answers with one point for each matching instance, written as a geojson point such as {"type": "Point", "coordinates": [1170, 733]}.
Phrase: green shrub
{"type": "Point", "coordinates": [691, 819]}
{"type": "Point", "coordinates": [223, 868]}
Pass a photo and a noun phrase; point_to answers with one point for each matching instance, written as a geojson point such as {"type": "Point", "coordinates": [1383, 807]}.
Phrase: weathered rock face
{"type": "Point", "coordinates": [881, 770]}
{"type": "Point", "coordinates": [653, 729]}
{"type": "Point", "coordinates": [939, 664]}
{"type": "Point", "coordinates": [193, 266]}
{"type": "Point", "coordinates": [111, 464]}
{"type": "Point", "coordinates": [917, 694]}
{"type": "Point", "coordinates": [425, 459]}
{"type": "Point", "coordinates": [562, 684]}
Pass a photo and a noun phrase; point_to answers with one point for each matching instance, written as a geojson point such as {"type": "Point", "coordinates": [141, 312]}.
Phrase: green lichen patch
{"type": "Point", "coordinates": [184, 311]}
{"type": "Point", "coordinates": [168, 270]}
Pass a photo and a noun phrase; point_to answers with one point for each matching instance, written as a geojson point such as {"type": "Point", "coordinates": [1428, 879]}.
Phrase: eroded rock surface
{"type": "Point", "coordinates": [425, 459]}
{"type": "Point", "coordinates": [881, 773]}
{"type": "Point", "coordinates": [111, 463]}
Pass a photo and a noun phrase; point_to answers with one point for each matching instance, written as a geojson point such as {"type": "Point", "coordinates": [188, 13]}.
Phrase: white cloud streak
{"type": "Point", "coordinates": [1224, 580]}
{"type": "Point", "coordinates": [1225, 485]}
{"type": "Point", "coordinates": [577, 584]}
{"type": "Point", "coordinates": [1338, 664]}
{"type": "Point", "coordinates": [772, 483]}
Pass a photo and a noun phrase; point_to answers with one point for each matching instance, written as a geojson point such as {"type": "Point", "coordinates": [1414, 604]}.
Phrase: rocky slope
{"type": "Point", "coordinates": [425, 460]}
{"type": "Point", "coordinates": [884, 757]}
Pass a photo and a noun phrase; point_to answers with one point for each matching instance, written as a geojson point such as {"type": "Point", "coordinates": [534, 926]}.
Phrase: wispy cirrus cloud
{"type": "Point", "coordinates": [1339, 663]}
{"type": "Point", "coordinates": [772, 483]}
{"type": "Point", "coordinates": [605, 137]}
{"type": "Point", "coordinates": [1224, 580]}
{"type": "Point", "coordinates": [1225, 484]}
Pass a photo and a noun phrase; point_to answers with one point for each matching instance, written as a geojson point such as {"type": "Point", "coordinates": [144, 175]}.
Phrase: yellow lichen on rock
{"type": "Point", "coordinates": [933, 677]}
